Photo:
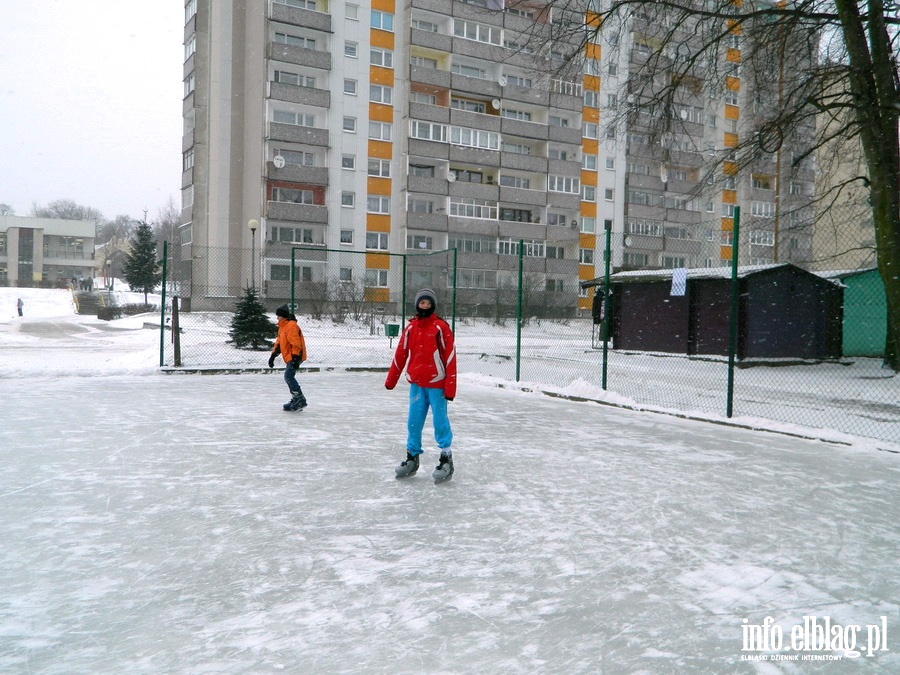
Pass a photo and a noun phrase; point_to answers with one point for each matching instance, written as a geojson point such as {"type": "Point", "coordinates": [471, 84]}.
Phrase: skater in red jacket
{"type": "Point", "coordinates": [426, 351]}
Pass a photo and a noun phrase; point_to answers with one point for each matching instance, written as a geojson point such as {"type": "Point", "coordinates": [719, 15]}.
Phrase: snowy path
{"type": "Point", "coordinates": [184, 523]}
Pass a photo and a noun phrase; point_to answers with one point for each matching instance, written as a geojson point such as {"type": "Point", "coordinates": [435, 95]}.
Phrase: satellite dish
{"type": "Point", "coordinates": [502, 80]}
{"type": "Point", "coordinates": [628, 241]}
{"type": "Point", "coordinates": [278, 161]}
{"type": "Point", "coordinates": [495, 104]}
{"type": "Point", "coordinates": [451, 176]}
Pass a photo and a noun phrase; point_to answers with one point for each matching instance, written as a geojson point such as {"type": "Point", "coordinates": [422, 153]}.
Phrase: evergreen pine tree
{"type": "Point", "coordinates": [251, 327]}
{"type": "Point", "coordinates": [143, 271]}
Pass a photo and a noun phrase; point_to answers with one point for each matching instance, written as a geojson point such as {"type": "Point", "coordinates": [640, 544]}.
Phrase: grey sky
{"type": "Point", "coordinates": [90, 104]}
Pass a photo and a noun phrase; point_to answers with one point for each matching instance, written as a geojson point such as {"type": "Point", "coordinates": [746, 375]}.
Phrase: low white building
{"type": "Point", "coordinates": [45, 251]}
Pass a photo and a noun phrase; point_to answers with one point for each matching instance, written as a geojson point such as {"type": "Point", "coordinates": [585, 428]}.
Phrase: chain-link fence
{"type": "Point", "coordinates": [809, 332]}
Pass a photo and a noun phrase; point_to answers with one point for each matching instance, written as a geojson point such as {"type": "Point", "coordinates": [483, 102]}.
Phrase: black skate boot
{"type": "Point", "coordinates": [297, 402]}
{"type": "Point", "coordinates": [408, 466]}
{"type": "Point", "coordinates": [444, 470]}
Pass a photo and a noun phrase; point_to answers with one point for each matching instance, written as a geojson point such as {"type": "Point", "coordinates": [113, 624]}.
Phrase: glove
{"type": "Point", "coordinates": [450, 399]}
{"type": "Point", "coordinates": [295, 363]}
{"type": "Point", "coordinates": [272, 360]}
{"type": "Point", "coordinates": [388, 386]}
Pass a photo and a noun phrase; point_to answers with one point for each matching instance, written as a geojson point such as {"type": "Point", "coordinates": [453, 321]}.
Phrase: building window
{"type": "Point", "coordinates": [287, 77]}
{"type": "Point", "coordinates": [189, 84]}
{"type": "Point", "coordinates": [520, 81]}
{"type": "Point", "coordinates": [346, 236]}
{"type": "Point", "coordinates": [417, 205]}
{"type": "Point", "coordinates": [301, 4]}
{"type": "Point", "coordinates": [377, 241]}
{"type": "Point", "coordinates": [297, 119]}
{"type": "Point", "coordinates": [380, 94]}
{"type": "Point", "coordinates": [345, 274]}
{"type": "Point", "coordinates": [290, 195]}
{"type": "Point", "coordinates": [468, 71]}
{"type": "Point", "coordinates": [297, 157]}
{"type": "Point", "coordinates": [376, 278]}
{"type": "Point", "coordinates": [348, 161]}
{"type": "Point", "coordinates": [591, 130]}
{"type": "Point", "coordinates": [378, 204]}
{"type": "Point", "coordinates": [556, 252]}
{"type": "Point", "coordinates": [589, 162]}
{"type": "Point", "coordinates": [350, 125]}
{"type": "Point", "coordinates": [295, 40]}
{"type": "Point", "coordinates": [470, 30]}
{"type": "Point", "coordinates": [427, 99]}
{"type": "Point", "coordinates": [190, 46]}
{"type": "Point", "coordinates": [586, 256]}
{"type": "Point", "coordinates": [382, 20]}
{"type": "Point", "coordinates": [379, 131]}
{"type": "Point", "coordinates": [187, 159]}
{"type": "Point", "coordinates": [420, 242]}
{"type": "Point", "coordinates": [472, 244]}
{"type": "Point", "coordinates": [190, 9]}
{"type": "Point", "coordinates": [516, 182]}
{"type": "Point", "coordinates": [567, 184]}
{"type": "Point", "coordinates": [380, 168]}
{"type": "Point", "coordinates": [589, 193]}
{"type": "Point", "coordinates": [608, 194]}
{"type": "Point", "coordinates": [381, 57]}
{"type": "Point", "coordinates": [350, 87]}
{"type": "Point", "coordinates": [427, 26]}
{"type": "Point", "coordinates": [348, 199]}
{"type": "Point", "coordinates": [421, 170]}
{"type": "Point", "coordinates": [591, 99]}
{"type": "Point", "coordinates": [475, 138]}
{"type": "Point", "coordinates": [555, 286]}
{"type": "Point", "coordinates": [588, 225]}
{"type": "Point", "coordinates": [427, 131]}
{"type": "Point", "coordinates": [352, 12]}
{"type": "Point", "coordinates": [557, 121]}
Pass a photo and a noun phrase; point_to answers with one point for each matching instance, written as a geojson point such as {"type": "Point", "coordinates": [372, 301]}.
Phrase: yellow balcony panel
{"type": "Point", "coordinates": [732, 83]}
{"type": "Point", "coordinates": [592, 51]}
{"type": "Point", "coordinates": [591, 115]}
{"type": "Point", "coordinates": [590, 145]}
{"type": "Point", "coordinates": [733, 55]}
{"type": "Point", "coordinates": [587, 240]}
{"type": "Point", "coordinates": [588, 177]}
{"type": "Point", "coordinates": [588, 209]}
{"type": "Point", "coordinates": [389, 6]}
{"type": "Point", "coordinates": [586, 272]}
{"type": "Point", "coordinates": [378, 186]}
{"type": "Point", "coordinates": [725, 253]}
{"type": "Point", "coordinates": [731, 140]}
{"type": "Point", "coordinates": [732, 112]}
{"type": "Point", "coordinates": [592, 19]}
{"type": "Point", "coordinates": [729, 197]}
{"type": "Point", "coordinates": [381, 113]}
{"type": "Point", "coordinates": [727, 225]}
{"type": "Point", "coordinates": [729, 168]}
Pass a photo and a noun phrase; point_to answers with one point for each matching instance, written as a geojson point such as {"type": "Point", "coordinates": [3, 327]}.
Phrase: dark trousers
{"type": "Point", "coordinates": [290, 378]}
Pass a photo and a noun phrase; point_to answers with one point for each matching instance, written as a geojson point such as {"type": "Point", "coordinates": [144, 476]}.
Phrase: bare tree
{"type": "Point", "coordinates": [802, 62]}
{"type": "Point", "coordinates": [7, 210]}
{"type": "Point", "coordinates": [66, 209]}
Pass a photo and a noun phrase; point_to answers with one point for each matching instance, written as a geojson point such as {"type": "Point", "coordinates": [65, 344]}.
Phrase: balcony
{"type": "Point", "coordinates": [300, 56]}
{"type": "Point", "coordinates": [309, 175]}
{"type": "Point", "coordinates": [436, 222]}
{"type": "Point", "coordinates": [474, 120]}
{"type": "Point", "coordinates": [436, 41]}
{"type": "Point", "coordinates": [301, 17]}
{"type": "Point", "coordinates": [426, 185]}
{"type": "Point", "coordinates": [291, 93]}
{"type": "Point", "coordinates": [571, 135]}
{"type": "Point", "coordinates": [467, 155]}
{"type": "Point", "coordinates": [429, 113]}
{"type": "Point", "coordinates": [296, 134]}
{"type": "Point", "coordinates": [476, 85]}
{"type": "Point", "coordinates": [484, 191]}
{"type": "Point", "coordinates": [430, 76]}
{"type": "Point", "coordinates": [533, 130]}
{"type": "Point", "coordinates": [300, 213]}
{"type": "Point", "coordinates": [511, 160]}
{"type": "Point", "coordinates": [521, 196]}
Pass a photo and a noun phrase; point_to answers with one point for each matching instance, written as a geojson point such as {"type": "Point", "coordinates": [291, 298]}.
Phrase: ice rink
{"type": "Point", "coordinates": [185, 524]}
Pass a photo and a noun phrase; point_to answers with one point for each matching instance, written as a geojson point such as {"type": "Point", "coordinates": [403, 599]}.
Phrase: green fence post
{"type": "Point", "coordinates": [519, 311]}
{"type": "Point", "coordinates": [293, 276]}
{"type": "Point", "coordinates": [162, 311]}
{"type": "Point", "coordinates": [607, 255]}
{"type": "Point", "coordinates": [453, 295]}
{"type": "Point", "coordinates": [733, 321]}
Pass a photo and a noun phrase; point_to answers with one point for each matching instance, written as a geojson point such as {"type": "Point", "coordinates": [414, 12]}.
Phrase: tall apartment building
{"type": "Point", "coordinates": [387, 128]}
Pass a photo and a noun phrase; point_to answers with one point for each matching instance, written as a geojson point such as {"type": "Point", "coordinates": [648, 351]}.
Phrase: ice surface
{"type": "Point", "coordinates": [185, 523]}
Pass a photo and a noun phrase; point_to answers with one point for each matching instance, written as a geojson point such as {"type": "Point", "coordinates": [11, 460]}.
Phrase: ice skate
{"type": "Point", "coordinates": [408, 466]}
{"type": "Point", "coordinates": [444, 470]}
{"type": "Point", "coordinates": [296, 403]}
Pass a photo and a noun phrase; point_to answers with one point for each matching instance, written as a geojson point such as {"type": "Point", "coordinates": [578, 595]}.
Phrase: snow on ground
{"type": "Point", "coordinates": [185, 523]}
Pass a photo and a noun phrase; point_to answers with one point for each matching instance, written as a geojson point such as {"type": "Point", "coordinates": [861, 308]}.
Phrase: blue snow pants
{"type": "Point", "coordinates": [420, 399]}
{"type": "Point", "coordinates": [290, 378]}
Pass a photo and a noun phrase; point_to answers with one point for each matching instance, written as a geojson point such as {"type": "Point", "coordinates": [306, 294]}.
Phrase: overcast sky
{"type": "Point", "coordinates": [90, 104]}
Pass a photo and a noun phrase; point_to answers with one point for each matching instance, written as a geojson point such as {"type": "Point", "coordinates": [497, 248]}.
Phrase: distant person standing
{"type": "Point", "coordinates": [19, 306]}
{"type": "Point", "coordinates": [292, 347]}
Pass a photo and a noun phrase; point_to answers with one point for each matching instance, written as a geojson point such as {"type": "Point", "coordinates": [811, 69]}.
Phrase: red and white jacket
{"type": "Point", "coordinates": [426, 350]}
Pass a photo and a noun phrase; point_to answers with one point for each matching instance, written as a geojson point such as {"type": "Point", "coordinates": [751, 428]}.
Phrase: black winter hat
{"type": "Point", "coordinates": [426, 293]}
{"type": "Point", "coordinates": [284, 311]}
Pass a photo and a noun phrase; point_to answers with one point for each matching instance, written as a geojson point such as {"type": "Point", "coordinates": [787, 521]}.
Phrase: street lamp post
{"type": "Point", "coordinates": [253, 224]}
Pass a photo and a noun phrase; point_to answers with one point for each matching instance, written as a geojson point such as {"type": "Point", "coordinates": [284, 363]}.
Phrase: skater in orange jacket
{"type": "Point", "coordinates": [292, 347]}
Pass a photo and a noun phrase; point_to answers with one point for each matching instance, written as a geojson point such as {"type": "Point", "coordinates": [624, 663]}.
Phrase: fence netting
{"type": "Point", "coordinates": [531, 316]}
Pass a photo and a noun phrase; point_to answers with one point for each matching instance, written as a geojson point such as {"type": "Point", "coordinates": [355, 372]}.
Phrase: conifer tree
{"type": "Point", "coordinates": [251, 327]}
{"type": "Point", "coordinates": [143, 271]}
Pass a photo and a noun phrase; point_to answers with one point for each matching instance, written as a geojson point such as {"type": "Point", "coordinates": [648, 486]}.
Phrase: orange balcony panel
{"type": "Point", "coordinates": [378, 186]}
{"type": "Point", "coordinates": [378, 222]}
{"type": "Point", "coordinates": [592, 83]}
{"type": "Point", "coordinates": [591, 115]}
{"type": "Point", "coordinates": [382, 76]}
{"type": "Point", "coordinates": [732, 112]}
{"type": "Point", "coordinates": [729, 197]}
{"type": "Point", "coordinates": [592, 51]}
{"type": "Point", "coordinates": [588, 209]}
{"type": "Point", "coordinates": [586, 240]}
{"type": "Point", "coordinates": [733, 55]}
{"type": "Point", "coordinates": [586, 272]}
{"type": "Point", "coordinates": [389, 6]}
{"type": "Point", "coordinates": [592, 19]}
{"type": "Point", "coordinates": [729, 168]}
{"type": "Point", "coordinates": [381, 150]}
{"type": "Point", "coordinates": [732, 83]}
{"type": "Point", "coordinates": [727, 225]}
{"type": "Point", "coordinates": [588, 177]}
{"type": "Point", "coordinates": [381, 113]}
{"type": "Point", "coordinates": [378, 261]}
{"type": "Point", "coordinates": [377, 295]}
{"type": "Point", "coordinates": [590, 145]}
{"type": "Point", "coordinates": [381, 38]}
{"type": "Point", "coordinates": [725, 253]}
{"type": "Point", "coordinates": [731, 140]}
